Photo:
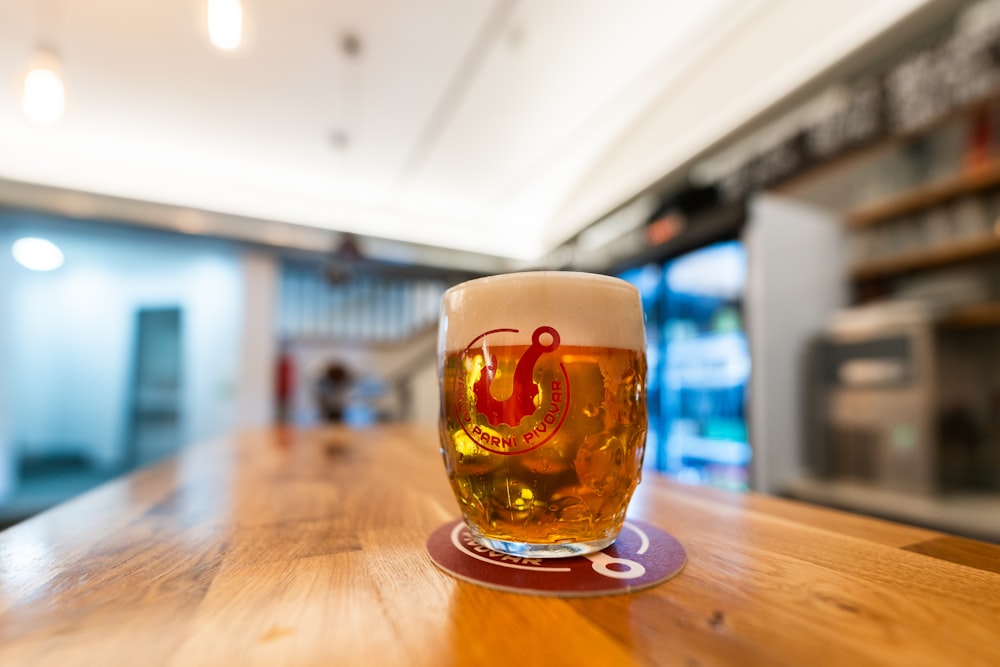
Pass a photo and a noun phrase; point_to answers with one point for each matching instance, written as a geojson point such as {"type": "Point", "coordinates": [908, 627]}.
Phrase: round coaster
{"type": "Point", "coordinates": [641, 557]}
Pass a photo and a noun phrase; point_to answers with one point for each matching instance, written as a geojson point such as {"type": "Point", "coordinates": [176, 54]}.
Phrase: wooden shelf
{"type": "Point", "coordinates": [926, 196]}
{"type": "Point", "coordinates": [974, 316]}
{"type": "Point", "coordinates": [952, 253]}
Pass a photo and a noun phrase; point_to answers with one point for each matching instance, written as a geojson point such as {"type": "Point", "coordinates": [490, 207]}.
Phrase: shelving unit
{"type": "Point", "coordinates": [971, 182]}
{"type": "Point", "coordinates": [931, 426]}
{"type": "Point", "coordinates": [973, 317]}
{"type": "Point", "coordinates": [903, 243]}
{"type": "Point", "coordinates": [926, 196]}
{"type": "Point", "coordinates": [928, 258]}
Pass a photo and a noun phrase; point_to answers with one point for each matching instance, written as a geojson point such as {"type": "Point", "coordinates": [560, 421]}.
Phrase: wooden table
{"type": "Point", "coordinates": [308, 548]}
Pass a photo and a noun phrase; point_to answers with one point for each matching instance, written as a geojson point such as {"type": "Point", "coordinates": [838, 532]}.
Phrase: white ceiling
{"type": "Point", "coordinates": [496, 126]}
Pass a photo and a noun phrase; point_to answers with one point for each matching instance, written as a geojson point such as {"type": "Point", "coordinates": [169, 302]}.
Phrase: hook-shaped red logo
{"type": "Point", "coordinates": [521, 401]}
{"type": "Point", "coordinates": [522, 412]}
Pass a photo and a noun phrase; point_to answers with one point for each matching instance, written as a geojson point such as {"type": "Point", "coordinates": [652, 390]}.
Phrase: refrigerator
{"type": "Point", "coordinates": [699, 365]}
{"type": "Point", "coordinates": [729, 325]}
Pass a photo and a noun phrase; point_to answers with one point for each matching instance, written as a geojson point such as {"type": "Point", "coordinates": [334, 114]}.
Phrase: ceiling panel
{"type": "Point", "coordinates": [496, 126]}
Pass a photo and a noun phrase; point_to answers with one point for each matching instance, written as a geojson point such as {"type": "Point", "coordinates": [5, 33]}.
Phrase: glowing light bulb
{"type": "Point", "coordinates": [225, 23]}
{"type": "Point", "coordinates": [37, 254]}
{"type": "Point", "coordinates": [44, 94]}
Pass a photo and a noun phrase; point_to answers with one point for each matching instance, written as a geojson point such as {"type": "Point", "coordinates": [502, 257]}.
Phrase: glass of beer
{"type": "Point", "coordinates": [543, 408]}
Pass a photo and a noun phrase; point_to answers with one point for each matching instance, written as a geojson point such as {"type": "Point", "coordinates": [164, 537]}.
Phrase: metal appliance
{"type": "Point", "coordinates": [875, 409]}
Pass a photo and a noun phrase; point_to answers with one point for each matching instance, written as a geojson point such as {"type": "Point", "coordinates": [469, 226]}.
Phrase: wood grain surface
{"type": "Point", "coordinates": [307, 548]}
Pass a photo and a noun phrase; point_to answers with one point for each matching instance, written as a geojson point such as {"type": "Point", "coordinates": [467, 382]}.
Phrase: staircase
{"type": "Point", "coordinates": [382, 327]}
{"type": "Point", "coordinates": [366, 308]}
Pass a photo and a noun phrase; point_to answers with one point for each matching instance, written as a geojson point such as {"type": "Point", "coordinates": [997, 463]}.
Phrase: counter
{"type": "Point", "coordinates": [307, 547]}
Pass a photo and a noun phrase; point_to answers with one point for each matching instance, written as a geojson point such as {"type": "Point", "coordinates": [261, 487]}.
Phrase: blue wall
{"type": "Point", "coordinates": [67, 336]}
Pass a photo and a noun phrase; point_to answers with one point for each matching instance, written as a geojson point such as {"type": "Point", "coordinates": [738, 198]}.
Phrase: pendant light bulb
{"type": "Point", "coordinates": [44, 98]}
{"type": "Point", "coordinates": [225, 23]}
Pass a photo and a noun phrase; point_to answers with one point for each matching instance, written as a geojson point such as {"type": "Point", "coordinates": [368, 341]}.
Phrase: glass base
{"type": "Point", "coordinates": [557, 550]}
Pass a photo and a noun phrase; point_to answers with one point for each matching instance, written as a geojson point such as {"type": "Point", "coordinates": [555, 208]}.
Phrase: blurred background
{"type": "Point", "coordinates": [227, 214]}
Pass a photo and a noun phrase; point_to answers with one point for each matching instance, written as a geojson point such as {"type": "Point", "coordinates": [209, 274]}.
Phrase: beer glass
{"type": "Point", "coordinates": [543, 408]}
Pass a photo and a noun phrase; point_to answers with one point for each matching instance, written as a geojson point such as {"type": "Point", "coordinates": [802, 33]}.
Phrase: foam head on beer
{"type": "Point", "coordinates": [592, 309]}
{"type": "Point", "coordinates": [543, 412]}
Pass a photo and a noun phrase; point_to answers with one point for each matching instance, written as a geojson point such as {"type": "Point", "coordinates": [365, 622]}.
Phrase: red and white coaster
{"type": "Point", "coordinates": [641, 557]}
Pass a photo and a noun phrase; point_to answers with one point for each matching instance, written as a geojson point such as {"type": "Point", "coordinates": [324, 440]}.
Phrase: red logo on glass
{"type": "Point", "coordinates": [510, 404]}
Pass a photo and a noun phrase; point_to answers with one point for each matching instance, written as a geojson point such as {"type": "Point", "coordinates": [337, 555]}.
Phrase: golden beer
{"type": "Point", "coordinates": [543, 422]}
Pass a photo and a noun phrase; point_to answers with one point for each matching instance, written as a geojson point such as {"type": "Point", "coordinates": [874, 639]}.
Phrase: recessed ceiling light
{"type": "Point", "coordinates": [225, 23]}
{"type": "Point", "coordinates": [44, 97]}
{"type": "Point", "coordinates": [37, 254]}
